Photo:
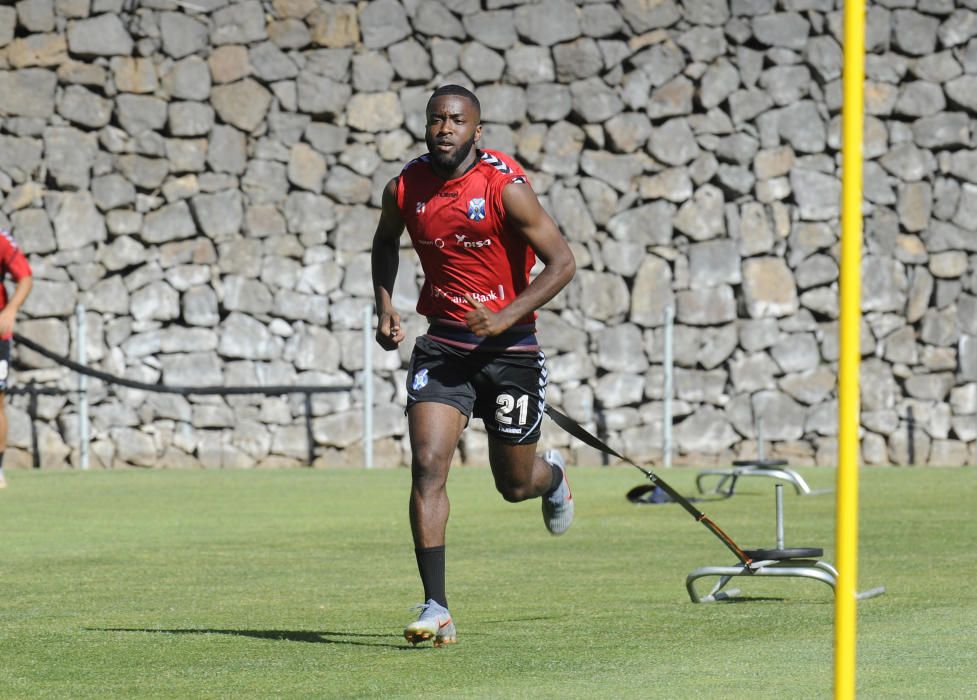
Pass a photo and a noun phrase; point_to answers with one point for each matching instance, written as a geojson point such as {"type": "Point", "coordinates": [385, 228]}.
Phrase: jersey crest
{"type": "Point", "coordinates": [476, 209]}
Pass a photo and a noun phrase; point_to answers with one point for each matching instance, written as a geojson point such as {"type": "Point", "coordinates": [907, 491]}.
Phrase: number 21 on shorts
{"type": "Point", "coordinates": [506, 403]}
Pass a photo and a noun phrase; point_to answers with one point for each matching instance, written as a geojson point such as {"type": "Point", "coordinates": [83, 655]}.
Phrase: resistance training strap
{"type": "Point", "coordinates": [167, 389]}
{"type": "Point", "coordinates": [577, 431]}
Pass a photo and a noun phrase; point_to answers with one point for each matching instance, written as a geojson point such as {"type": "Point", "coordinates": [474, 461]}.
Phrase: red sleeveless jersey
{"type": "Point", "coordinates": [458, 228]}
{"type": "Point", "coordinates": [12, 262]}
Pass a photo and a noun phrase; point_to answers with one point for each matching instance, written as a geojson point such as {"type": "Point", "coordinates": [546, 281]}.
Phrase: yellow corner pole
{"type": "Point", "coordinates": [846, 529]}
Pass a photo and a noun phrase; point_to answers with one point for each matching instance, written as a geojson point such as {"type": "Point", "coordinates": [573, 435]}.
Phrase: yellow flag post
{"type": "Point", "coordinates": [846, 528]}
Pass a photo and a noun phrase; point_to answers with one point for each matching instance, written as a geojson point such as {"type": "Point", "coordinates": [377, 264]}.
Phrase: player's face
{"type": "Point", "coordinates": [453, 129]}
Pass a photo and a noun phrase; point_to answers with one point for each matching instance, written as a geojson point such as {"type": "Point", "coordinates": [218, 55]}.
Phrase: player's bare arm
{"type": "Point", "coordinates": [385, 260]}
{"type": "Point", "coordinates": [525, 216]}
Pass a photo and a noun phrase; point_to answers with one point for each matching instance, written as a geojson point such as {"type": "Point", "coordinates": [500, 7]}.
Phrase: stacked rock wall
{"type": "Point", "coordinates": [203, 175]}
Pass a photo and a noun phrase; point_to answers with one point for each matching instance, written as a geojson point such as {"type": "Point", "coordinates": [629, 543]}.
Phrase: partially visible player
{"type": "Point", "coordinates": [12, 262]}
{"type": "Point", "coordinates": [478, 228]}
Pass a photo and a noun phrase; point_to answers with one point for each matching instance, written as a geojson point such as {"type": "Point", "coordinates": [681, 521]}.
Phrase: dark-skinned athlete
{"type": "Point", "coordinates": [477, 227]}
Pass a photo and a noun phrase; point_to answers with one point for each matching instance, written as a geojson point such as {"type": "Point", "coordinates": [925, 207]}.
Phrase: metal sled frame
{"type": "Point", "coordinates": [797, 562]}
{"type": "Point", "coordinates": [807, 568]}
{"type": "Point", "coordinates": [771, 468]}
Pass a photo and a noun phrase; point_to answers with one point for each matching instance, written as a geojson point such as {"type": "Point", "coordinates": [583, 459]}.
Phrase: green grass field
{"type": "Point", "coordinates": [298, 583]}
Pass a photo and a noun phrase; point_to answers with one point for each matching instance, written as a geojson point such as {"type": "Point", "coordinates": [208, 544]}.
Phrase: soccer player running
{"type": "Point", "coordinates": [12, 261]}
{"type": "Point", "coordinates": [477, 227]}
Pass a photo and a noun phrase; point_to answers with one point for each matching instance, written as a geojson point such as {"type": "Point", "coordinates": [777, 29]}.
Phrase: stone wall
{"type": "Point", "coordinates": [203, 175]}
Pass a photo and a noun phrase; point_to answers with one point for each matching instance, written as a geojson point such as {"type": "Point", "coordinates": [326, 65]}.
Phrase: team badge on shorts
{"type": "Point", "coordinates": [420, 380]}
{"type": "Point", "coordinates": [476, 209]}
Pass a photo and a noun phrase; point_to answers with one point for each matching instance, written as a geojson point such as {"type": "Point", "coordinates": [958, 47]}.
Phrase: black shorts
{"type": "Point", "coordinates": [5, 344]}
{"type": "Point", "coordinates": [506, 389]}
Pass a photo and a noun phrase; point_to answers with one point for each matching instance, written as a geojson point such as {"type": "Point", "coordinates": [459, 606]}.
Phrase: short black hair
{"type": "Point", "coordinates": [458, 90]}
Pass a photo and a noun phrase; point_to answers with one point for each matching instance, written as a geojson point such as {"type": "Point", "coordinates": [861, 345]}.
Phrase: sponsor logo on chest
{"type": "Point", "coordinates": [465, 243]}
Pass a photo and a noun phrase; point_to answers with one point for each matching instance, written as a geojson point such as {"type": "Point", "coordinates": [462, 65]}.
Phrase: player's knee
{"type": "Point", "coordinates": [429, 469]}
{"type": "Point", "coordinates": [514, 493]}
{"type": "Point", "coordinates": [428, 460]}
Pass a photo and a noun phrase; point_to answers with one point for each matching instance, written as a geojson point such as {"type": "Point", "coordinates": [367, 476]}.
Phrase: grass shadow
{"type": "Point", "coordinates": [520, 619]}
{"type": "Point", "coordinates": [773, 599]}
{"type": "Point", "coordinates": [306, 636]}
